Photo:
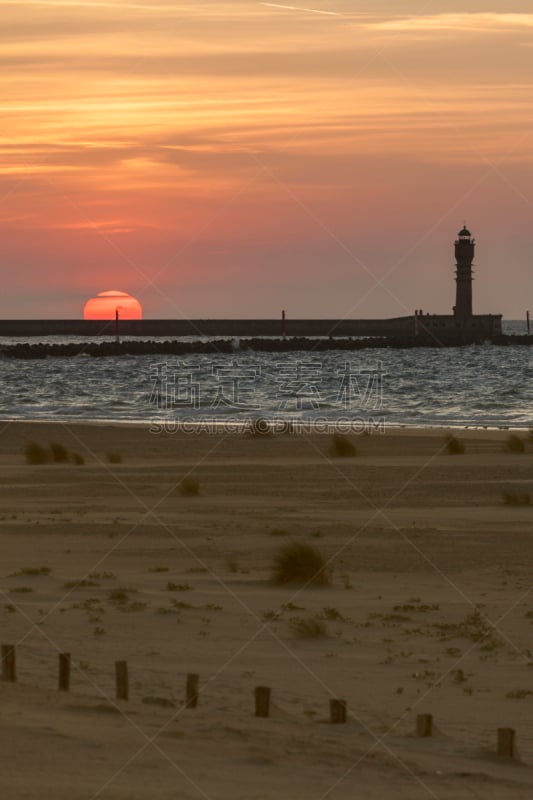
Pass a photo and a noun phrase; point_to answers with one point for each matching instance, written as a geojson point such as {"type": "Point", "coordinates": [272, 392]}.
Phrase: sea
{"type": "Point", "coordinates": [478, 386]}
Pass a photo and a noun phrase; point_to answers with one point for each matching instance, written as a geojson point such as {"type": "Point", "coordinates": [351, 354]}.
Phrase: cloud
{"type": "Point", "coordinates": [479, 22]}
{"type": "Point", "coordinates": [73, 5]}
{"type": "Point", "coordinates": [299, 8]}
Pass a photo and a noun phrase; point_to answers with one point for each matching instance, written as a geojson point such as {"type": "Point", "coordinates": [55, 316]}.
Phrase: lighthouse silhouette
{"type": "Point", "coordinates": [465, 246]}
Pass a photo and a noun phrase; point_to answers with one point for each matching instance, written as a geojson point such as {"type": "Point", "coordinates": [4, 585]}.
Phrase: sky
{"type": "Point", "coordinates": [232, 159]}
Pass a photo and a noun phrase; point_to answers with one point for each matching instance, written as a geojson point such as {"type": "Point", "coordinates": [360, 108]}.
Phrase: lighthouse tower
{"type": "Point", "coordinates": [464, 255]}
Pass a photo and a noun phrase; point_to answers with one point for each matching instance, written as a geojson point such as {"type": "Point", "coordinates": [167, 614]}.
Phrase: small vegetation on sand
{"type": "Point", "coordinates": [178, 587]}
{"type": "Point", "coordinates": [307, 627]}
{"type": "Point", "coordinates": [58, 452]}
{"type": "Point", "coordinates": [516, 498]}
{"type": "Point", "coordinates": [114, 457]}
{"type": "Point", "coordinates": [120, 596]}
{"type": "Point", "coordinates": [33, 571]}
{"type": "Point", "coordinates": [300, 563]}
{"type": "Point", "coordinates": [334, 615]}
{"type": "Point", "coordinates": [518, 694]}
{"type": "Point", "coordinates": [97, 576]}
{"type": "Point", "coordinates": [514, 444]}
{"type": "Point", "coordinates": [36, 453]}
{"type": "Point", "coordinates": [475, 627]}
{"type": "Point", "coordinates": [189, 487]}
{"type": "Point", "coordinates": [82, 583]}
{"type": "Point", "coordinates": [453, 446]}
{"type": "Point", "coordinates": [342, 447]}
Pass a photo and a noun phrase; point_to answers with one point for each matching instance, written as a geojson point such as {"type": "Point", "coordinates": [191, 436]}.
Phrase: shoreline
{"type": "Point", "coordinates": [243, 426]}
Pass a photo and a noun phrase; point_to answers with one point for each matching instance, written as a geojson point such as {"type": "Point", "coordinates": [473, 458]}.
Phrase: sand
{"type": "Point", "coordinates": [429, 611]}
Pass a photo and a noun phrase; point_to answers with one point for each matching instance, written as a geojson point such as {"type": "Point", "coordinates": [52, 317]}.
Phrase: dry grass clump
{"type": "Point", "coordinates": [178, 587]}
{"type": "Point", "coordinates": [189, 487]}
{"type": "Point", "coordinates": [474, 627]}
{"type": "Point", "coordinates": [58, 452]}
{"type": "Point", "coordinates": [453, 446]}
{"type": "Point", "coordinates": [342, 447]}
{"type": "Point", "coordinates": [514, 444]}
{"type": "Point", "coordinates": [32, 571]}
{"type": "Point", "coordinates": [300, 563]}
{"type": "Point", "coordinates": [36, 453]}
{"type": "Point", "coordinates": [516, 498]}
{"type": "Point", "coordinates": [518, 694]}
{"type": "Point", "coordinates": [307, 627]}
{"type": "Point", "coordinates": [82, 583]}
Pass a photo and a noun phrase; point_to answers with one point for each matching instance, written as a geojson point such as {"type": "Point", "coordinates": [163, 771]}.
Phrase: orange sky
{"type": "Point", "coordinates": [221, 159]}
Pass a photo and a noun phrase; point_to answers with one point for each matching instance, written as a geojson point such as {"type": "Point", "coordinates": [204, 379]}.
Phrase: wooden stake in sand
{"type": "Point", "coordinates": [9, 670]}
{"type": "Point", "coordinates": [191, 690]}
{"type": "Point", "coordinates": [262, 701]}
{"type": "Point", "coordinates": [506, 742]}
{"type": "Point", "coordinates": [64, 672]}
{"type": "Point", "coordinates": [121, 680]}
{"type": "Point", "coordinates": [424, 725]}
{"type": "Point", "coordinates": [337, 711]}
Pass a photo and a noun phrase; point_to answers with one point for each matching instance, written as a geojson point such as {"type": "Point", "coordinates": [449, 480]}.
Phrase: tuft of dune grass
{"type": "Point", "coordinates": [299, 563]}
{"type": "Point", "coordinates": [58, 452]}
{"type": "Point", "coordinates": [36, 454]}
{"type": "Point", "coordinates": [342, 447]}
{"type": "Point", "coordinates": [516, 498]}
{"type": "Point", "coordinates": [453, 446]}
{"type": "Point", "coordinates": [514, 444]}
{"type": "Point", "coordinates": [189, 487]}
{"type": "Point", "coordinates": [307, 627]}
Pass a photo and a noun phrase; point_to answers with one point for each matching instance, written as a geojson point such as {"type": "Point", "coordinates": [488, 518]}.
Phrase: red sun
{"type": "Point", "coordinates": [105, 305]}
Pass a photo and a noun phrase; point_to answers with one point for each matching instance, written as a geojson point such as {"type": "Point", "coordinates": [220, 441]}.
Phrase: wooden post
{"type": "Point", "coordinates": [262, 701]}
{"type": "Point", "coordinates": [506, 742]}
{"type": "Point", "coordinates": [424, 725]}
{"type": "Point", "coordinates": [337, 711]}
{"type": "Point", "coordinates": [121, 680]}
{"type": "Point", "coordinates": [9, 670]}
{"type": "Point", "coordinates": [64, 672]}
{"type": "Point", "coordinates": [191, 690]}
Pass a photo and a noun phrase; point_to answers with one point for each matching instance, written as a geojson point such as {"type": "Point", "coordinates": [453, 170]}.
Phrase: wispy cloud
{"type": "Point", "coordinates": [73, 4]}
{"type": "Point", "coordinates": [299, 8]}
{"type": "Point", "coordinates": [480, 22]}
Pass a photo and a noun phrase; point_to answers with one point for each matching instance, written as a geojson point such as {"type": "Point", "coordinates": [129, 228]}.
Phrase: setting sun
{"type": "Point", "coordinates": [105, 305]}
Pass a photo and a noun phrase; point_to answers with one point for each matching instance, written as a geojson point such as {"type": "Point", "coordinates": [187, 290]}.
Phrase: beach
{"type": "Point", "coordinates": [428, 611]}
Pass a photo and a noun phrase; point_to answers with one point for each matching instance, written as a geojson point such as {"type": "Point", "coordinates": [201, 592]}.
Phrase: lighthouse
{"type": "Point", "coordinates": [464, 255]}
